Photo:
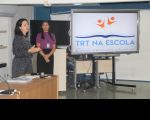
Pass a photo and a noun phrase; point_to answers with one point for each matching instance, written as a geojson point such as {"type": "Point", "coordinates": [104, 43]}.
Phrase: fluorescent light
{"type": "Point", "coordinates": [77, 4]}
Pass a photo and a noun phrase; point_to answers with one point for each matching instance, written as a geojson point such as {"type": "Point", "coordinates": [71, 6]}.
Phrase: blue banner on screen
{"type": "Point", "coordinates": [104, 33]}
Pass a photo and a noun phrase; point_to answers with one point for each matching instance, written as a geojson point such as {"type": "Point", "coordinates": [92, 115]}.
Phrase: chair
{"type": "Point", "coordinates": [70, 81]}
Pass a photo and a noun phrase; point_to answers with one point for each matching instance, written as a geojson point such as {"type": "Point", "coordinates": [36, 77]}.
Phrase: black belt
{"type": "Point", "coordinates": [22, 56]}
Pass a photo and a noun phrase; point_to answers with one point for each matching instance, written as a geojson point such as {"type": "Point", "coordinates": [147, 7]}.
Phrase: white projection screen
{"type": "Point", "coordinates": [101, 31]}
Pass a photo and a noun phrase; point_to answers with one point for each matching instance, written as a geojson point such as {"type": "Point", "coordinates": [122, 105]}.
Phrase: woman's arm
{"type": "Point", "coordinates": [54, 46]}
{"type": "Point", "coordinates": [20, 47]}
{"type": "Point", "coordinates": [33, 49]}
{"type": "Point", "coordinates": [52, 51]}
{"type": "Point", "coordinates": [38, 43]}
{"type": "Point", "coordinates": [41, 52]}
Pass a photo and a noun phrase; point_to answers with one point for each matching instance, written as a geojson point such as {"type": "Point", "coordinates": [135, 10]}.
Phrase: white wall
{"type": "Point", "coordinates": [62, 2]}
{"type": "Point", "coordinates": [137, 66]}
{"type": "Point", "coordinates": [5, 39]}
{"type": "Point", "coordinates": [5, 25]}
{"type": "Point", "coordinates": [134, 66]}
{"type": "Point", "coordinates": [26, 12]}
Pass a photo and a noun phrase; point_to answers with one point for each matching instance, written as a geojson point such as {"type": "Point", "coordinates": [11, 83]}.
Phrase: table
{"type": "Point", "coordinates": [102, 66]}
{"type": "Point", "coordinates": [14, 96]}
{"type": "Point", "coordinates": [80, 67]}
{"type": "Point", "coordinates": [38, 88]}
{"type": "Point", "coordinates": [85, 67]}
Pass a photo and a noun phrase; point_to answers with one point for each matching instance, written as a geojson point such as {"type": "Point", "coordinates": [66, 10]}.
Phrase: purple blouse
{"type": "Point", "coordinates": [44, 42]}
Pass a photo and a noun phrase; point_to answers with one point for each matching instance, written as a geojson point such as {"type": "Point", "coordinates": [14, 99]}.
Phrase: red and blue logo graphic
{"type": "Point", "coordinates": [101, 24]}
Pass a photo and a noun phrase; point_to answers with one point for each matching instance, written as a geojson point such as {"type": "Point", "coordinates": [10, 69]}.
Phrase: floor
{"type": "Point", "coordinates": [142, 91]}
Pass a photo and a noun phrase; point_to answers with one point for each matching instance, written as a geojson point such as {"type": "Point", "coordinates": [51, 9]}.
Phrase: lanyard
{"type": "Point", "coordinates": [47, 38]}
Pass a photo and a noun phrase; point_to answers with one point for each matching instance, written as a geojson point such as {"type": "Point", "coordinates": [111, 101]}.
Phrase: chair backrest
{"type": "Point", "coordinates": [68, 70]}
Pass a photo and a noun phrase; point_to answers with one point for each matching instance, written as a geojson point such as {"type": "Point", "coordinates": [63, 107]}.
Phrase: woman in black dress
{"type": "Point", "coordinates": [47, 42]}
{"type": "Point", "coordinates": [22, 50]}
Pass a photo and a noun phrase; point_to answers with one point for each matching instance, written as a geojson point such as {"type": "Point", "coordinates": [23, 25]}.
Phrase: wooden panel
{"type": "Point", "coordinates": [36, 89]}
{"type": "Point", "coordinates": [15, 96]}
{"type": "Point", "coordinates": [105, 66]}
{"type": "Point", "coordinates": [84, 66]}
{"type": "Point", "coordinates": [45, 91]}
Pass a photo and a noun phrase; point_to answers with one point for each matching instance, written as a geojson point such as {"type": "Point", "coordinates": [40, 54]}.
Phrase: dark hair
{"type": "Point", "coordinates": [49, 31]}
{"type": "Point", "coordinates": [19, 24]}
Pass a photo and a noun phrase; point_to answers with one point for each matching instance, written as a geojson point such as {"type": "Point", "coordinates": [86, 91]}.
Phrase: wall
{"type": "Point", "coordinates": [5, 25]}
{"type": "Point", "coordinates": [41, 13]}
{"type": "Point", "coordinates": [128, 5]}
{"type": "Point", "coordinates": [137, 66]}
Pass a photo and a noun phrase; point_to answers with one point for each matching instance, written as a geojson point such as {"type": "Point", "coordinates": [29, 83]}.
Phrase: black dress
{"type": "Point", "coordinates": [22, 63]}
{"type": "Point", "coordinates": [42, 66]}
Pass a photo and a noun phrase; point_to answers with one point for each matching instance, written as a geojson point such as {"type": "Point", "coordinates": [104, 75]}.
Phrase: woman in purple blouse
{"type": "Point", "coordinates": [47, 42]}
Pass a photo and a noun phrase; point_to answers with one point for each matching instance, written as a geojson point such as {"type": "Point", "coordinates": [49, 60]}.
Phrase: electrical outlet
{"type": "Point", "coordinates": [4, 75]}
{"type": "Point", "coordinates": [7, 76]}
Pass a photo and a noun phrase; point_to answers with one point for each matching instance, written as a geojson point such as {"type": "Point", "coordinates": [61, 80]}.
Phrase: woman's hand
{"type": "Point", "coordinates": [33, 49]}
{"type": "Point", "coordinates": [46, 58]}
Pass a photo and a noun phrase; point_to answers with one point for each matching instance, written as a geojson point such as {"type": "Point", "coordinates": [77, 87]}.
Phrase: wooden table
{"type": "Point", "coordinates": [14, 96]}
{"type": "Point", "coordinates": [38, 88]}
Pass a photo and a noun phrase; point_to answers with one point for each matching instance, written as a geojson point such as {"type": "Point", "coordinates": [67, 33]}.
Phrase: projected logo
{"type": "Point", "coordinates": [105, 33]}
{"type": "Point", "coordinates": [109, 22]}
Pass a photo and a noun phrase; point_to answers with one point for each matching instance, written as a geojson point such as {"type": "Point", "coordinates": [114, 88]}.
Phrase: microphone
{"type": "Point", "coordinates": [9, 91]}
